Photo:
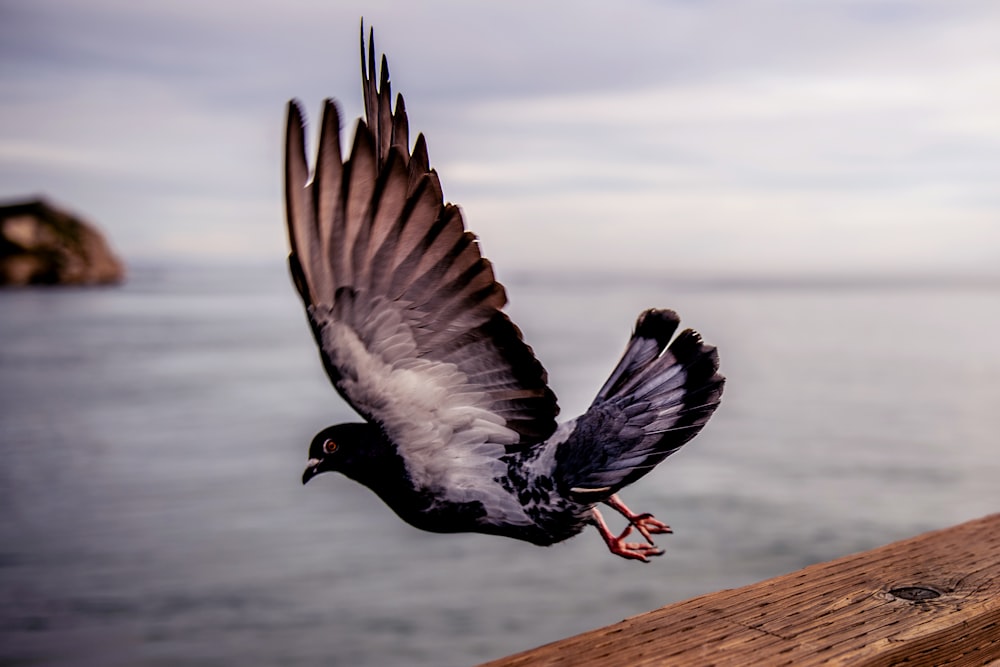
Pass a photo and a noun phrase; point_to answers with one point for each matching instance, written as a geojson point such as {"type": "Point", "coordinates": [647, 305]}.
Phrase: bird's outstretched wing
{"type": "Point", "coordinates": [404, 308]}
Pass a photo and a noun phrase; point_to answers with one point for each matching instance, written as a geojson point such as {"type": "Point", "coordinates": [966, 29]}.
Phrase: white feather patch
{"type": "Point", "coordinates": [449, 438]}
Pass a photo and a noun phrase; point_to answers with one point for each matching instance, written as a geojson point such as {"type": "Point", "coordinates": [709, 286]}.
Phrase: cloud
{"type": "Point", "coordinates": [746, 136]}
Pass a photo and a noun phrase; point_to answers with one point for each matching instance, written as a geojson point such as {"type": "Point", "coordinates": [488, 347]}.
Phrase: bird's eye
{"type": "Point", "coordinates": [329, 446]}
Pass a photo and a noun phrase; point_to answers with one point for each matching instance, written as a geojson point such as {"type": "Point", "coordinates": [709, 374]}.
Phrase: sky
{"type": "Point", "coordinates": [714, 137]}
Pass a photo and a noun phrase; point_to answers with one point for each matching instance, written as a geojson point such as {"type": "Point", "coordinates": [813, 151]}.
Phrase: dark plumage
{"type": "Point", "coordinates": [460, 426]}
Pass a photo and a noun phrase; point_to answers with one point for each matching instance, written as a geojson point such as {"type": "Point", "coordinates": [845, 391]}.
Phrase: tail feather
{"type": "Point", "coordinates": [652, 332]}
{"type": "Point", "coordinates": [658, 397]}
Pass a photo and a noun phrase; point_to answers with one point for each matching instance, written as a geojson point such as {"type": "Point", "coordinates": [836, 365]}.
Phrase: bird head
{"type": "Point", "coordinates": [341, 448]}
{"type": "Point", "coordinates": [327, 450]}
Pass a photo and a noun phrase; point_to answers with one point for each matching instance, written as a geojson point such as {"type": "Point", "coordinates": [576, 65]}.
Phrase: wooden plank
{"type": "Point", "coordinates": [929, 600]}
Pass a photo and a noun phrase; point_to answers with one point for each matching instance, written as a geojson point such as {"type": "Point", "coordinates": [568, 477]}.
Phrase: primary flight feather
{"type": "Point", "coordinates": [460, 430]}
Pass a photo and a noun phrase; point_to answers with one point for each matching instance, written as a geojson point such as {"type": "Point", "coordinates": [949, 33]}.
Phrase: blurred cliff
{"type": "Point", "coordinates": [42, 245]}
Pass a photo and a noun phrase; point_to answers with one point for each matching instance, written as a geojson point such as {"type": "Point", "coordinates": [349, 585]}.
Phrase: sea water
{"type": "Point", "coordinates": [152, 439]}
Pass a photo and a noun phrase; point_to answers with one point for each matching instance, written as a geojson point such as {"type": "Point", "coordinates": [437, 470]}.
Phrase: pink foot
{"type": "Point", "coordinates": [646, 524]}
{"type": "Point", "coordinates": [617, 544]}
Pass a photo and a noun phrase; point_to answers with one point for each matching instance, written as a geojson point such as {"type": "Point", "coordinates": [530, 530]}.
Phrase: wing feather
{"type": "Point", "coordinates": [359, 196]}
{"type": "Point", "coordinates": [405, 309]}
{"type": "Point", "coordinates": [391, 203]}
{"type": "Point", "coordinates": [426, 250]}
{"type": "Point", "coordinates": [420, 162]}
{"type": "Point", "coordinates": [400, 126]}
{"type": "Point", "coordinates": [326, 188]}
{"type": "Point", "coordinates": [303, 236]}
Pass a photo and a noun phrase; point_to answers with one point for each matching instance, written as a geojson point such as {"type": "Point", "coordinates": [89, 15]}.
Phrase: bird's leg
{"type": "Point", "coordinates": [644, 523]}
{"type": "Point", "coordinates": [618, 545]}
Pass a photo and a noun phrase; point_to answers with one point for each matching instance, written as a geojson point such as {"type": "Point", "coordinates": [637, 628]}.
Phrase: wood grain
{"type": "Point", "coordinates": [929, 600]}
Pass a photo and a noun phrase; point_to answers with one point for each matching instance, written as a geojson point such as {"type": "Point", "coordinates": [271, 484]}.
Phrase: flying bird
{"type": "Point", "coordinates": [459, 430]}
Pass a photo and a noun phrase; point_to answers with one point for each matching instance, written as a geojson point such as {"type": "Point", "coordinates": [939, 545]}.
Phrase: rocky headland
{"type": "Point", "coordinates": [43, 245]}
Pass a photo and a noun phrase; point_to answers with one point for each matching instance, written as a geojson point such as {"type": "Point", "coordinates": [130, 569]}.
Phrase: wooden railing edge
{"type": "Point", "coordinates": [927, 600]}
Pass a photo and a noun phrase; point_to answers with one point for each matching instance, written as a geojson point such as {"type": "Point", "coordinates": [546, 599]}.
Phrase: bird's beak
{"type": "Point", "coordinates": [312, 469]}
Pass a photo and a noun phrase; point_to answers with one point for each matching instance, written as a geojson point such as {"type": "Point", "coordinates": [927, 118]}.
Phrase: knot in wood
{"type": "Point", "coordinates": [914, 593]}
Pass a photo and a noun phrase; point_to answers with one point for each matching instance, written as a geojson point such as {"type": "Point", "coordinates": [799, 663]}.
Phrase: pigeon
{"type": "Point", "coordinates": [460, 430]}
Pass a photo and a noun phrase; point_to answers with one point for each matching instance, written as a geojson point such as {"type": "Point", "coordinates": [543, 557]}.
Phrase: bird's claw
{"type": "Point", "coordinates": [633, 550]}
{"type": "Point", "coordinates": [648, 525]}
{"type": "Point", "coordinates": [618, 545]}
{"type": "Point", "coordinates": [645, 523]}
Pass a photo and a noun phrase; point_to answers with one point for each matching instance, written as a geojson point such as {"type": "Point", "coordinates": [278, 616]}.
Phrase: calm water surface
{"type": "Point", "coordinates": [153, 438]}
